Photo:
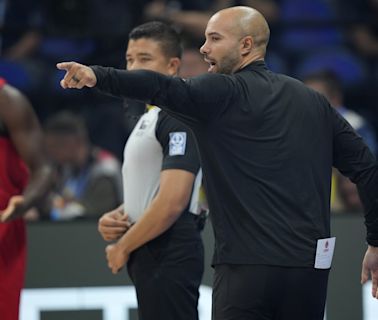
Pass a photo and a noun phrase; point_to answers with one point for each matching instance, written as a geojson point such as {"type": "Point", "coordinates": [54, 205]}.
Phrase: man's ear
{"type": "Point", "coordinates": [247, 45]}
{"type": "Point", "coordinates": [174, 66]}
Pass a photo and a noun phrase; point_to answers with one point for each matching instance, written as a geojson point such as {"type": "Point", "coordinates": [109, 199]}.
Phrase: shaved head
{"type": "Point", "coordinates": [246, 21]}
{"type": "Point", "coordinates": [235, 37]}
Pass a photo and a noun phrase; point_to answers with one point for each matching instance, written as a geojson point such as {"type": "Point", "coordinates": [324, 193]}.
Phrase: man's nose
{"type": "Point", "coordinates": [204, 48]}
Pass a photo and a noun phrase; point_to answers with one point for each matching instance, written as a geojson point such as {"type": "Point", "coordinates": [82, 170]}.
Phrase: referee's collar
{"type": "Point", "coordinates": [255, 65]}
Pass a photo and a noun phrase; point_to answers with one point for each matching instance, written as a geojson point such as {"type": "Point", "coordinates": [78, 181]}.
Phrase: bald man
{"type": "Point", "coordinates": [267, 145]}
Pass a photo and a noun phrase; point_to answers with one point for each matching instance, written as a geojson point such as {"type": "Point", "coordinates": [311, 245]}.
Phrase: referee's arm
{"type": "Point", "coordinates": [171, 200]}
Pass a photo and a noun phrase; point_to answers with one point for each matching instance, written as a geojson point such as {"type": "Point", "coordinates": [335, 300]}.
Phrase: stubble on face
{"type": "Point", "coordinates": [229, 62]}
{"type": "Point", "coordinates": [224, 54]}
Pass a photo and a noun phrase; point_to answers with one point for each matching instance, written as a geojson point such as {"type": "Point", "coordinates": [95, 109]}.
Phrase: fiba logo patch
{"type": "Point", "coordinates": [177, 143]}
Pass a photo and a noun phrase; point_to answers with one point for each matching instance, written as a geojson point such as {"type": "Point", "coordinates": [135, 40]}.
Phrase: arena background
{"type": "Point", "coordinates": [68, 278]}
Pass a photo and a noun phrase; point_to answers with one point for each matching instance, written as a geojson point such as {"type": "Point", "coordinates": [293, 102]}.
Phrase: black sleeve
{"type": "Point", "coordinates": [177, 141]}
{"type": "Point", "coordinates": [354, 159]}
{"type": "Point", "coordinates": [200, 98]}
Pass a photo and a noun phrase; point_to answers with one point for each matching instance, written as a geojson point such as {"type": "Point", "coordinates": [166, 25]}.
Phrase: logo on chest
{"type": "Point", "coordinates": [142, 127]}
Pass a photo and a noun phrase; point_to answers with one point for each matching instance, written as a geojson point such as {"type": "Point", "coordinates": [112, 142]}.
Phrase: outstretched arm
{"type": "Point", "coordinates": [77, 75]}
{"type": "Point", "coordinates": [202, 97]}
{"type": "Point", "coordinates": [26, 136]}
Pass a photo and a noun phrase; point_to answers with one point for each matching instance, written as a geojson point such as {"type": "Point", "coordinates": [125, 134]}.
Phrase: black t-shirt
{"type": "Point", "coordinates": [267, 146]}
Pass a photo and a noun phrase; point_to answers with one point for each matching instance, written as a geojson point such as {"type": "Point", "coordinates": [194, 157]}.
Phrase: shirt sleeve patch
{"type": "Point", "coordinates": [177, 143]}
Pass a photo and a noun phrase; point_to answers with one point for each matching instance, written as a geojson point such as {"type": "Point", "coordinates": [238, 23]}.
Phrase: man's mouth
{"type": "Point", "coordinates": [211, 63]}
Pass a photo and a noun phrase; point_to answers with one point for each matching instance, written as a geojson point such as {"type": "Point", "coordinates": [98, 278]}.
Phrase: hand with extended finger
{"type": "Point", "coordinates": [77, 75]}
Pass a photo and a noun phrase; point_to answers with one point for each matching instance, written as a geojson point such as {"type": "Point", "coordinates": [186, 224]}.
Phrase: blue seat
{"type": "Point", "coordinates": [350, 69]}
{"type": "Point", "coordinates": [304, 10]}
{"type": "Point", "coordinates": [16, 74]}
{"type": "Point", "coordinates": [302, 38]}
{"type": "Point", "coordinates": [66, 49]}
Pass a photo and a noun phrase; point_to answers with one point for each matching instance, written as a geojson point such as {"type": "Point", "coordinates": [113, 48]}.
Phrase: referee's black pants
{"type": "Point", "coordinates": [261, 292]}
{"type": "Point", "coordinates": [167, 272]}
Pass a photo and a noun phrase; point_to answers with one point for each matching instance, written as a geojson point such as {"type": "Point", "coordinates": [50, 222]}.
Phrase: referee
{"type": "Point", "coordinates": [267, 146]}
{"type": "Point", "coordinates": [161, 180]}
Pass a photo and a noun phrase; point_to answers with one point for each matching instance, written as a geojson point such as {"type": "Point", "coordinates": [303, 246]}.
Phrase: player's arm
{"type": "Point", "coordinates": [172, 198]}
{"type": "Point", "coordinates": [26, 136]}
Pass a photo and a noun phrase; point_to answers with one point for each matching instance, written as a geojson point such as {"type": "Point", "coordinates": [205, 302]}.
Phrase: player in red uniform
{"type": "Point", "coordinates": [25, 177]}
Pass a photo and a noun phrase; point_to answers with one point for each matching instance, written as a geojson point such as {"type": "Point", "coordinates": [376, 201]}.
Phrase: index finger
{"type": "Point", "coordinates": [71, 69]}
{"type": "Point", "coordinates": [64, 65]}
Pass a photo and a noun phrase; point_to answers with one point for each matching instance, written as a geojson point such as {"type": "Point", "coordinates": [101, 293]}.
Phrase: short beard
{"type": "Point", "coordinates": [228, 64]}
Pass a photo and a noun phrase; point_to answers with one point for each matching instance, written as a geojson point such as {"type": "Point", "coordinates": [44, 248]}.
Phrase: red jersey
{"type": "Point", "coordinates": [13, 179]}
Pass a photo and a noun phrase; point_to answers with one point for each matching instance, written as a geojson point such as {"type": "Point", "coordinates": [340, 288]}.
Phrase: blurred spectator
{"type": "Point", "coordinates": [328, 84]}
{"type": "Point", "coordinates": [67, 32]}
{"type": "Point", "coordinates": [91, 31]}
{"type": "Point", "coordinates": [344, 195]}
{"type": "Point", "coordinates": [308, 24]}
{"type": "Point", "coordinates": [90, 178]}
{"type": "Point", "coordinates": [192, 16]}
{"type": "Point", "coordinates": [192, 63]}
{"type": "Point", "coordinates": [348, 194]}
{"type": "Point", "coordinates": [111, 23]}
{"type": "Point", "coordinates": [21, 37]}
{"type": "Point", "coordinates": [348, 67]}
{"type": "Point", "coordinates": [22, 29]}
{"type": "Point", "coordinates": [360, 19]}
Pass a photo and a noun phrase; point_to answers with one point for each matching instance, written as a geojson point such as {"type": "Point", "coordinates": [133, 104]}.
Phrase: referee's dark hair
{"type": "Point", "coordinates": [162, 33]}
